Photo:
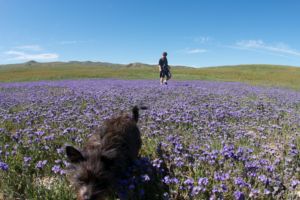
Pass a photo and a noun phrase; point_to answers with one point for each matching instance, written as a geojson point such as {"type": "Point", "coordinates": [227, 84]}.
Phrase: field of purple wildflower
{"type": "Point", "coordinates": [202, 140]}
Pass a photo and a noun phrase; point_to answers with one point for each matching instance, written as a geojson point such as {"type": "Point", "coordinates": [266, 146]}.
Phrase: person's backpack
{"type": "Point", "coordinates": [165, 65]}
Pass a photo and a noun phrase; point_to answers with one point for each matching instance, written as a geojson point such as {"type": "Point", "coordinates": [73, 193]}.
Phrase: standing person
{"type": "Point", "coordinates": [164, 69]}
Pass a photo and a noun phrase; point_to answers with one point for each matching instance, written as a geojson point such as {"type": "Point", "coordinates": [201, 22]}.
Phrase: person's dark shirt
{"type": "Point", "coordinates": [163, 63]}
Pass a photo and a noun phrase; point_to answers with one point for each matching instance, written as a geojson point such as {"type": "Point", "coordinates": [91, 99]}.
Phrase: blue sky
{"type": "Point", "coordinates": [194, 32]}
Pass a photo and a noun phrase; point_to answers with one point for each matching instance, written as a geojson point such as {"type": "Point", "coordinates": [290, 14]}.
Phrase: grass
{"type": "Point", "coordinates": [266, 75]}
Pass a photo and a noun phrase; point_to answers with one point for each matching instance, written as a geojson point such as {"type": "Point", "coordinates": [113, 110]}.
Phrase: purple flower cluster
{"type": "Point", "coordinates": [3, 166]}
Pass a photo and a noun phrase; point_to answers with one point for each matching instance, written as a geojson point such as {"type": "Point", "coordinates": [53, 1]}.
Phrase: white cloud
{"type": "Point", "coordinates": [261, 45]}
{"type": "Point", "coordinates": [20, 55]}
{"type": "Point", "coordinates": [29, 47]}
{"type": "Point", "coordinates": [195, 51]}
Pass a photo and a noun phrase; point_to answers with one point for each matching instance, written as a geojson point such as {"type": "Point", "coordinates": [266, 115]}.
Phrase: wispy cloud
{"type": "Point", "coordinates": [194, 51]}
{"type": "Point", "coordinates": [23, 56]}
{"type": "Point", "coordinates": [28, 52]}
{"type": "Point", "coordinates": [202, 39]}
{"type": "Point", "coordinates": [29, 47]}
{"type": "Point", "coordinates": [260, 45]}
{"type": "Point", "coordinates": [72, 42]}
{"type": "Point", "coordinates": [69, 42]}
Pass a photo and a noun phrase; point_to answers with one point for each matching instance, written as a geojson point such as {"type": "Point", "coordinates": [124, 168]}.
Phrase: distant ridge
{"type": "Point", "coordinates": [91, 63]}
{"type": "Point", "coordinates": [85, 63]}
{"type": "Point", "coordinates": [130, 65]}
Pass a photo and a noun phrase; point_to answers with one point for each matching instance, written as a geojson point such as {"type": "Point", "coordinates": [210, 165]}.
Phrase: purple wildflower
{"type": "Point", "coordinates": [27, 160]}
{"type": "Point", "coordinates": [203, 181]}
{"type": "Point", "coordinates": [41, 164]}
{"type": "Point", "coordinates": [295, 183]}
{"type": "Point", "coordinates": [57, 170]}
{"type": "Point", "coordinates": [263, 179]}
{"type": "Point", "coordinates": [3, 166]}
{"type": "Point", "coordinates": [238, 195]}
{"type": "Point", "coordinates": [196, 190]}
{"type": "Point", "coordinates": [189, 181]}
{"type": "Point", "coordinates": [240, 182]}
{"type": "Point", "coordinates": [39, 133]}
{"type": "Point", "coordinates": [221, 176]}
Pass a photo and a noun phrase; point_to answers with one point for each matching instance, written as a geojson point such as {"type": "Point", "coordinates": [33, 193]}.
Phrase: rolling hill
{"type": "Point", "coordinates": [267, 75]}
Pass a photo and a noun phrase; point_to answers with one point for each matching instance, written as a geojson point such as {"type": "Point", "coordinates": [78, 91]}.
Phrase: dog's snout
{"type": "Point", "coordinates": [87, 197]}
{"type": "Point", "coordinates": [84, 194]}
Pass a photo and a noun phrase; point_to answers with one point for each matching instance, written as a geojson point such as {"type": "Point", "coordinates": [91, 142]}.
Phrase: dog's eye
{"type": "Point", "coordinates": [81, 181]}
{"type": "Point", "coordinates": [101, 184]}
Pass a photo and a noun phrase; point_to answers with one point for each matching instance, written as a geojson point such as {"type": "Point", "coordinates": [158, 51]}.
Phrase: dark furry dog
{"type": "Point", "coordinates": [96, 168]}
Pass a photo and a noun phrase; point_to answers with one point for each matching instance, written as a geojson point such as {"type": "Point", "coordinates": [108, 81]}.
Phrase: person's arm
{"type": "Point", "coordinates": [159, 65]}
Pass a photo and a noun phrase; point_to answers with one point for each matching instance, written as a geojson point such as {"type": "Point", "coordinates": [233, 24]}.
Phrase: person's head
{"type": "Point", "coordinates": [164, 54]}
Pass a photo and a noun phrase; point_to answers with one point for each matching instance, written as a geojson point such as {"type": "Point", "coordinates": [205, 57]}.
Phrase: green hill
{"type": "Point", "coordinates": [268, 75]}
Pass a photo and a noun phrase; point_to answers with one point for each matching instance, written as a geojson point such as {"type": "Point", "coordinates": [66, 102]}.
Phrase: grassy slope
{"type": "Point", "coordinates": [282, 76]}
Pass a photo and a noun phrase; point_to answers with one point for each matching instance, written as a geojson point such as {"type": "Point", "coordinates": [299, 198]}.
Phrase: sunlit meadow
{"type": "Point", "coordinates": [216, 140]}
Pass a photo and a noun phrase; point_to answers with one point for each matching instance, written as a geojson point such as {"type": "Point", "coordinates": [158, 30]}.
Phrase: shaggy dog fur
{"type": "Point", "coordinates": [95, 169]}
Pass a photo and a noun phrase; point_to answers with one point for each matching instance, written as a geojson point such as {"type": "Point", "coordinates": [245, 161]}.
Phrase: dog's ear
{"type": "Point", "coordinates": [135, 113]}
{"type": "Point", "coordinates": [74, 155]}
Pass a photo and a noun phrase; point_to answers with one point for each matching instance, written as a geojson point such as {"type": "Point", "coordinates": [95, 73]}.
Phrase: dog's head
{"type": "Point", "coordinates": [90, 173]}
{"type": "Point", "coordinates": [93, 170]}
